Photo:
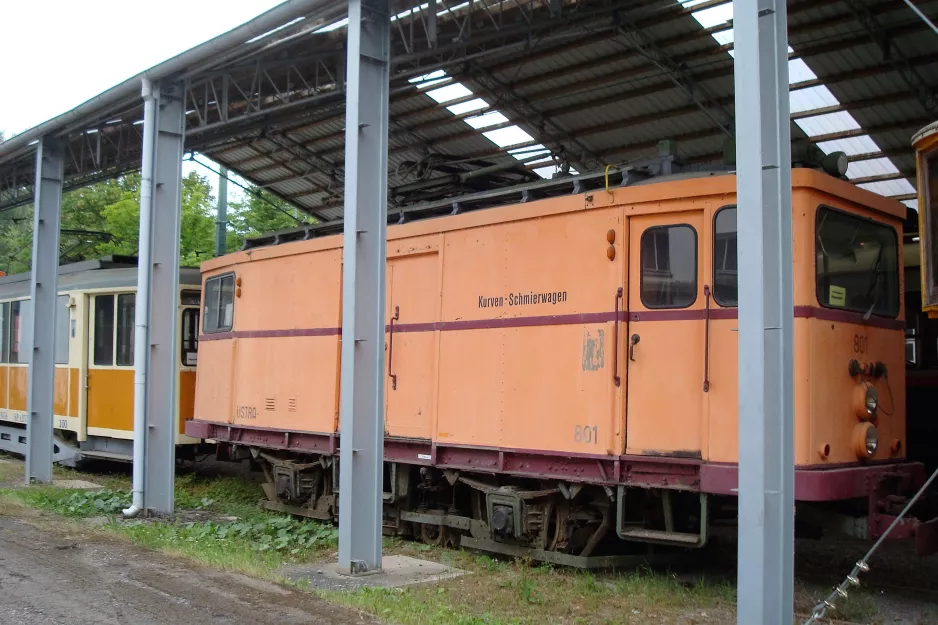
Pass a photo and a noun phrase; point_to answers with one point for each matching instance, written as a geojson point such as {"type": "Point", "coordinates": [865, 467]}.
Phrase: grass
{"type": "Point", "coordinates": [222, 527]}
{"type": "Point", "coordinates": [518, 593]}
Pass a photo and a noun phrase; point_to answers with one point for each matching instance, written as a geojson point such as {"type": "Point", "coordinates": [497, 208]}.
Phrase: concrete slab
{"type": "Point", "coordinates": [396, 571]}
{"type": "Point", "coordinates": [80, 484]}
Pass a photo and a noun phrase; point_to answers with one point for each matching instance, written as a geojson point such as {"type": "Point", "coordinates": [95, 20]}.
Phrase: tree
{"type": "Point", "coordinates": [259, 213]}
{"type": "Point", "coordinates": [104, 218]}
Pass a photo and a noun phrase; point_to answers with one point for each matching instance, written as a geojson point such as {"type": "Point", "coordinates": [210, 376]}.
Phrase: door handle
{"type": "Point", "coordinates": [393, 376]}
{"type": "Point", "coordinates": [633, 341]}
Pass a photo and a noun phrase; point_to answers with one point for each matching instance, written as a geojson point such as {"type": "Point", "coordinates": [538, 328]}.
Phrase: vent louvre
{"type": "Point", "coordinates": [270, 403]}
{"type": "Point", "coordinates": [291, 404]}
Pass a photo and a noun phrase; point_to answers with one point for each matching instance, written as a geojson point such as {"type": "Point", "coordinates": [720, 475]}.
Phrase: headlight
{"type": "Point", "coordinates": [865, 401]}
{"type": "Point", "coordinates": [872, 441]}
{"type": "Point", "coordinates": [865, 440]}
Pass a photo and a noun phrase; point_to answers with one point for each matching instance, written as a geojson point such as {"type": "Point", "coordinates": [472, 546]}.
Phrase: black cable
{"type": "Point", "coordinates": [254, 192]}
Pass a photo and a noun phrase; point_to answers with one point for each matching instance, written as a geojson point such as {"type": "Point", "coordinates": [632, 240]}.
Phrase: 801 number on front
{"type": "Point", "coordinates": [588, 434]}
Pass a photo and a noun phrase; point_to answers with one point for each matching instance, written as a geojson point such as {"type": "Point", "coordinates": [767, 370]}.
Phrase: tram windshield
{"type": "Point", "coordinates": [857, 264]}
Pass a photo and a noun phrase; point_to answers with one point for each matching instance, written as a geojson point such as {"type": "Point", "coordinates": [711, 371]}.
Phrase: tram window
{"type": "Point", "coordinates": [725, 272]}
{"type": "Point", "coordinates": [19, 312]}
{"type": "Point", "coordinates": [669, 267]}
{"type": "Point", "coordinates": [4, 332]}
{"type": "Point", "coordinates": [857, 264]}
{"type": "Point", "coordinates": [190, 297]}
{"type": "Point", "coordinates": [219, 303]}
{"type": "Point", "coordinates": [126, 305]}
{"type": "Point", "coordinates": [930, 174]}
{"type": "Point", "coordinates": [104, 330]}
{"type": "Point", "coordinates": [61, 330]}
{"type": "Point", "coordinates": [190, 337]}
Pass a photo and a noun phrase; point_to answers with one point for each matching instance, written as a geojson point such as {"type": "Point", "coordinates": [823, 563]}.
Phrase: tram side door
{"type": "Point", "coordinates": [110, 364]}
{"type": "Point", "coordinates": [411, 344]}
{"type": "Point", "coordinates": [664, 341]}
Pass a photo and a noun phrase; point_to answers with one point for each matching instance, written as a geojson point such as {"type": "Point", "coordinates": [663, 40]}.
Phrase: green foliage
{"type": "Point", "coordinates": [104, 218]}
{"type": "Point", "coordinates": [259, 213]}
{"type": "Point", "coordinates": [278, 533]}
{"type": "Point", "coordinates": [82, 503]}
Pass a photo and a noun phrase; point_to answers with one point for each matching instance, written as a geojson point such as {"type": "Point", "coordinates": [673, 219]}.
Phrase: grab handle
{"type": "Point", "coordinates": [615, 339]}
{"type": "Point", "coordinates": [706, 384]}
{"type": "Point", "coordinates": [393, 376]}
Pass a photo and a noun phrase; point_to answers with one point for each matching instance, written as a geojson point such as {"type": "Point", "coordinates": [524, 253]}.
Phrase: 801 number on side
{"type": "Point", "coordinates": [588, 434]}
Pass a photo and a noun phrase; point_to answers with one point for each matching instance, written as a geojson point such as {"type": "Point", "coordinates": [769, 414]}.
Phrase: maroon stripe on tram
{"type": "Point", "coordinates": [636, 316]}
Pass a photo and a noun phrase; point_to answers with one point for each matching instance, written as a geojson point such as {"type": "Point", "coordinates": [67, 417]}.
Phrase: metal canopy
{"type": "Point", "coordinates": [594, 82]}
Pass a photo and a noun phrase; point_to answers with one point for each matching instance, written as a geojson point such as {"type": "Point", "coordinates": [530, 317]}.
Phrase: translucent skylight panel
{"type": "Point", "coordinates": [829, 123]}
{"type": "Point", "coordinates": [873, 167]}
{"type": "Point", "coordinates": [333, 26]}
{"type": "Point", "coordinates": [913, 204]}
{"type": "Point", "coordinates": [799, 71]}
{"type": "Point", "coordinates": [409, 12]}
{"type": "Point", "coordinates": [811, 99]}
{"type": "Point", "coordinates": [486, 120]}
{"type": "Point", "coordinates": [449, 92]}
{"type": "Point", "coordinates": [469, 105]}
{"type": "Point", "coordinates": [548, 172]}
{"type": "Point", "coordinates": [431, 76]}
{"type": "Point", "coordinates": [889, 187]}
{"type": "Point", "coordinates": [850, 146]}
{"type": "Point", "coordinates": [714, 16]}
{"type": "Point", "coordinates": [724, 37]}
{"type": "Point", "coordinates": [512, 135]}
{"type": "Point", "coordinates": [528, 150]}
{"type": "Point", "coordinates": [454, 9]}
{"type": "Point", "coordinates": [689, 4]}
{"type": "Point", "coordinates": [281, 27]}
{"type": "Point", "coordinates": [548, 159]}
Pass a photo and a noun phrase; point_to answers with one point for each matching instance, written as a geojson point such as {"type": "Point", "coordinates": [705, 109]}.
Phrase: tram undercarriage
{"type": "Point", "coordinates": [572, 524]}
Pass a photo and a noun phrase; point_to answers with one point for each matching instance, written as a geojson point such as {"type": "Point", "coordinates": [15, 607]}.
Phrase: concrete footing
{"type": "Point", "coordinates": [396, 571]}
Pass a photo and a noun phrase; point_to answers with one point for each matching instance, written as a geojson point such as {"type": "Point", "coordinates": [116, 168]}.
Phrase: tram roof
{"type": "Point", "coordinates": [509, 90]}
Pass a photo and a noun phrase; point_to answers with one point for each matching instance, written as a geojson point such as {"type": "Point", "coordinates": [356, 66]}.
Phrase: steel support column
{"type": "Point", "coordinates": [766, 314]}
{"type": "Point", "coordinates": [40, 317]}
{"type": "Point", "coordinates": [363, 288]}
{"type": "Point", "coordinates": [163, 301]}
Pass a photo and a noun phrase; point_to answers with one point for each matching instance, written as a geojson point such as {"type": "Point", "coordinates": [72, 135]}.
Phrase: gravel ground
{"type": "Point", "coordinates": [49, 577]}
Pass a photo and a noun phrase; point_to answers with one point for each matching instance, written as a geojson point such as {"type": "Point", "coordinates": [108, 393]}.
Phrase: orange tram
{"type": "Point", "coordinates": [562, 371]}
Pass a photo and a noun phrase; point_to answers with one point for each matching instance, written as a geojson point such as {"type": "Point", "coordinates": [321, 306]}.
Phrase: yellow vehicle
{"type": "Point", "coordinates": [925, 142]}
{"type": "Point", "coordinates": [94, 355]}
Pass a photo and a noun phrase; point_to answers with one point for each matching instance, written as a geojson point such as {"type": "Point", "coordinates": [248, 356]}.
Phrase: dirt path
{"type": "Point", "coordinates": [48, 576]}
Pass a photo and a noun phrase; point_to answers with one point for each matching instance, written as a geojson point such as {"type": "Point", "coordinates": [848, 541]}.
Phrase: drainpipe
{"type": "Point", "coordinates": [142, 302]}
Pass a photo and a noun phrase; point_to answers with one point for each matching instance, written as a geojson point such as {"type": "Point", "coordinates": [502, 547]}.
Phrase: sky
{"type": "Point", "coordinates": [68, 51]}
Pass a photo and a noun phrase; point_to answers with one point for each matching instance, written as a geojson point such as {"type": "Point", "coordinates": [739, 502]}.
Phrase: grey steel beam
{"type": "Point", "coordinates": [163, 301]}
{"type": "Point", "coordinates": [50, 173]}
{"type": "Point", "coordinates": [765, 587]}
{"type": "Point", "coordinates": [361, 459]}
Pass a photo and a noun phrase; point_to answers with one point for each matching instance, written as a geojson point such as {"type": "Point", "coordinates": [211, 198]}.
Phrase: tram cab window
{"type": "Point", "coordinates": [189, 349]}
{"type": "Point", "coordinates": [857, 264]}
{"type": "Point", "coordinates": [669, 266]}
{"type": "Point", "coordinates": [725, 268]}
{"type": "Point", "coordinates": [104, 330]}
{"type": "Point", "coordinates": [126, 311]}
{"type": "Point", "coordinates": [219, 303]}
